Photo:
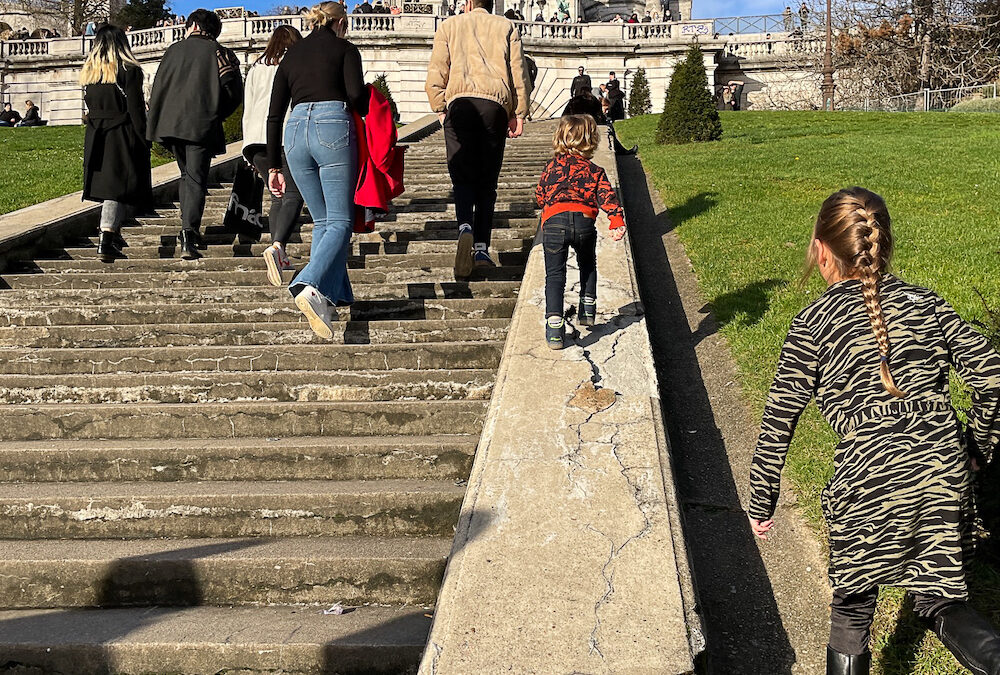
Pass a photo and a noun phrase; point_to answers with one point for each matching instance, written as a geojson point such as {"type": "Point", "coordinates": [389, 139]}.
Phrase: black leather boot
{"type": "Point", "coordinates": [970, 637]}
{"type": "Point", "coordinates": [847, 664]}
{"type": "Point", "coordinates": [107, 246]}
{"type": "Point", "coordinates": [189, 245]}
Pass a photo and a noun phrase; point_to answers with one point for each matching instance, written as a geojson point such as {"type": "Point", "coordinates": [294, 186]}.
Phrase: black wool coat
{"type": "Point", "coordinates": [115, 150]}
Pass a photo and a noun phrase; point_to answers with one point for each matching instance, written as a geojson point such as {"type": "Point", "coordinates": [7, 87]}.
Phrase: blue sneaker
{"type": "Point", "coordinates": [587, 315]}
{"type": "Point", "coordinates": [555, 332]}
{"type": "Point", "coordinates": [482, 259]}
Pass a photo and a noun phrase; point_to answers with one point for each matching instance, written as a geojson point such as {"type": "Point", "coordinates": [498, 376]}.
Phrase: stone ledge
{"type": "Point", "coordinates": [49, 223]}
{"type": "Point", "coordinates": [569, 555]}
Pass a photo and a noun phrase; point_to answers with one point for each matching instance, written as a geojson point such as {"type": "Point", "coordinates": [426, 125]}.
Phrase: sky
{"type": "Point", "coordinates": [703, 9]}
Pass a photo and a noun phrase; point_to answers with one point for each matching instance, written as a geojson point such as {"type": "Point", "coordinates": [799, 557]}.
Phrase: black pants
{"type": "Point", "coordinates": [559, 233]}
{"type": "Point", "coordinates": [194, 162]}
{"type": "Point", "coordinates": [285, 210]}
{"type": "Point", "coordinates": [851, 617]}
{"type": "Point", "coordinates": [475, 133]}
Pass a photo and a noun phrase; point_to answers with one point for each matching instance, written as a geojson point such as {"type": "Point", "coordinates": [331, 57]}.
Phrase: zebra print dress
{"type": "Point", "coordinates": [899, 505]}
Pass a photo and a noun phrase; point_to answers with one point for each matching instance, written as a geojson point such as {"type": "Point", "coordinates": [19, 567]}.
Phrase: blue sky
{"type": "Point", "coordinates": [702, 8]}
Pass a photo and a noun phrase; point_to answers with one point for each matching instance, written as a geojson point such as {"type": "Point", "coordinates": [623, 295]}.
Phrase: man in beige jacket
{"type": "Point", "coordinates": [478, 83]}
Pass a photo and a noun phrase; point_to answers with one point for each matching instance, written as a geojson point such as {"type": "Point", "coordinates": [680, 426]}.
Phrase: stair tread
{"type": "Point", "coordinates": [194, 444]}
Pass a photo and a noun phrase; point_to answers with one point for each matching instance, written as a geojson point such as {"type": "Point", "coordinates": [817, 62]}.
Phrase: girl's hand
{"type": "Point", "coordinates": [761, 527]}
{"type": "Point", "coordinates": [276, 183]}
{"type": "Point", "coordinates": [618, 233]}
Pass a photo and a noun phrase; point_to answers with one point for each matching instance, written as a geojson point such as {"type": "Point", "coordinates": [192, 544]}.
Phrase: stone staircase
{"type": "Point", "coordinates": [190, 476]}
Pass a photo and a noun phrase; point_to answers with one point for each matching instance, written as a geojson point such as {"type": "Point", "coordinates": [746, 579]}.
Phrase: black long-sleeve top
{"type": "Point", "coordinates": [32, 114]}
{"type": "Point", "coordinates": [320, 67]}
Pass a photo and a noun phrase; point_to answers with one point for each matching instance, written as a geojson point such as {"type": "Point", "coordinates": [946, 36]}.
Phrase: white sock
{"type": "Point", "coordinates": [555, 321]}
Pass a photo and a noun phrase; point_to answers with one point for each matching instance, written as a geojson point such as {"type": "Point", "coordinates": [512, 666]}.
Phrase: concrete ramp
{"type": "Point", "coordinates": [568, 555]}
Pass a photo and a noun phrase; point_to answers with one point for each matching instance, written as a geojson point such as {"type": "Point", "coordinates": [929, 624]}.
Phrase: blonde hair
{"type": "Point", "coordinates": [855, 224]}
{"type": "Point", "coordinates": [576, 135]}
{"type": "Point", "coordinates": [108, 55]}
{"type": "Point", "coordinates": [326, 14]}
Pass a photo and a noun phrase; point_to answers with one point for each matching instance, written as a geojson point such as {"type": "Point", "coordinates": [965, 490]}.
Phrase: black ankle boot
{"type": "Point", "coordinates": [847, 664]}
{"type": "Point", "coordinates": [189, 245]}
{"type": "Point", "coordinates": [107, 247]}
{"type": "Point", "coordinates": [970, 637]}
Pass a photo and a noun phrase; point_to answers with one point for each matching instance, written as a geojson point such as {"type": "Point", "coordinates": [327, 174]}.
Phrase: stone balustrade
{"type": "Point", "coordinates": [784, 48]}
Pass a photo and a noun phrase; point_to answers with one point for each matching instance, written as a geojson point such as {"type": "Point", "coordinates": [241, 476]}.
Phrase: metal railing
{"type": "Point", "coordinates": [928, 100]}
{"type": "Point", "coordinates": [768, 23]}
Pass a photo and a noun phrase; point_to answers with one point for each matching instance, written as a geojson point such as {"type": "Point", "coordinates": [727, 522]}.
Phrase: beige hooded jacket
{"type": "Point", "coordinates": [478, 55]}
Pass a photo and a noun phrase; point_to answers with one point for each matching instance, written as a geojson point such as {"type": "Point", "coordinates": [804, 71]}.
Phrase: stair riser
{"type": "Point", "coordinates": [378, 514]}
{"type": "Point", "coordinates": [231, 421]}
{"type": "Point", "coordinates": [44, 584]}
{"type": "Point", "coordinates": [262, 359]}
{"type": "Point", "coordinates": [226, 464]}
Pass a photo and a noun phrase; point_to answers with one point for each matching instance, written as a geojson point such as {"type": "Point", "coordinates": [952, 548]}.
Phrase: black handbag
{"type": "Point", "coordinates": [244, 209]}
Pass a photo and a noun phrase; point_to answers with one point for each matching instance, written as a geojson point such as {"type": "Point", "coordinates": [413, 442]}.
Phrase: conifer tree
{"type": "Point", "coordinates": [689, 113]}
{"type": "Point", "coordinates": [382, 84]}
{"type": "Point", "coordinates": [638, 102]}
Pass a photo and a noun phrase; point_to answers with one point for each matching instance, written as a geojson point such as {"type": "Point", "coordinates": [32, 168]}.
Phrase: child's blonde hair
{"type": "Point", "coordinates": [855, 224]}
{"type": "Point", "coordinates": [576, 135]}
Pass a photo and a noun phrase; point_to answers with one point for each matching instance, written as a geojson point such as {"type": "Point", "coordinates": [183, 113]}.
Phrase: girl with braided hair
{"type": "Point", "coordinates": [875, 353]}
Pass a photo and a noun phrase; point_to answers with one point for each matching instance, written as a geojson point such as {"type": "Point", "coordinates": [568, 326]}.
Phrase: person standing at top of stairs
{"type": "Point", "coordinates": [197, 86]}
{"type": "Point", "coordinates": [478, 84]}
{"type": "Point", "coordinates": [322, 77]}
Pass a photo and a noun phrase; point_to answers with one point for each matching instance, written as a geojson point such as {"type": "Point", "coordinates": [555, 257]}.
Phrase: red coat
{"type": "Point", "coordinates": [380, 161]}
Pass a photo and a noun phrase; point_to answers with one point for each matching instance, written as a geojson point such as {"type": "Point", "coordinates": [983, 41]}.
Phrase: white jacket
{"type": "Point", "coordinates": [256, 103]}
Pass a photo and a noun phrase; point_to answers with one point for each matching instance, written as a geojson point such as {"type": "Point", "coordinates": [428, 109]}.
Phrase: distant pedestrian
{"type": "Point", "coordinates": [197, 86]}
{"type": "Point", "coordinates": [788, 20]}
{"type": "Point", "coordinates": [616, 99]}
{"type": "Point", "coordinates": [9, 117]}
{"type": "Point", "coordinates": [585, 103]}
{"type": "Point", "coordinates": [322, 77]}
{"type": "Point", "coordinates": [804, 16]}
{"type": "Point", "coordinates": [876, 353]}
{"type": "Point", "coordinates": [477, 83]}
{"type": "Point", "coordinates": [116, 167]}
{"type": "Point", "coordinates": [579, 82]}
{"type": "Point", "coordinates": [286, 209]}
{"type": "Point", "coordinates": [571, 191]}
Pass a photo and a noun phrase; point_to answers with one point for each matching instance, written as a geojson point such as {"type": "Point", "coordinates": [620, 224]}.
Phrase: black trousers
{"type": "Point", "coordinates": [851, 617]}
{"type": "Point", "coordinates": [559, 233]}
{"type": "Point", "coordinates": [475, 134]}
{"type": "Point", "coordinates": [284, 211]}
{"type": "Point", "coordinates": [194, 162]}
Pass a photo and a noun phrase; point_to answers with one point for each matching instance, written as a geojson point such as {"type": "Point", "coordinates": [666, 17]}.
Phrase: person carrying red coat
{"type": "Point", "coordinates": [380, 162]}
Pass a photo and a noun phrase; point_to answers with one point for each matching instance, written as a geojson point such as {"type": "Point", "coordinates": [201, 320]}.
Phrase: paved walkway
{"type": "Point", "coordinates": [764, 605]}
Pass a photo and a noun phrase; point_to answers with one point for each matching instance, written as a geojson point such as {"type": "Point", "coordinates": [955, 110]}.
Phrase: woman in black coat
{"type": "Point", "coordinates": [116, 166]}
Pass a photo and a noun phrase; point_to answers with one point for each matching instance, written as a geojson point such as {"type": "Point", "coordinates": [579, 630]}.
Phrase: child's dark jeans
{"type": "Point", "coordinates": [559, 233]}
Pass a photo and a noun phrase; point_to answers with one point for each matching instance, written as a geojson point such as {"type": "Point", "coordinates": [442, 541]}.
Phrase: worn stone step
{"type": "Point", "coordinates": [31, 298]}
{"type": "Point", "coordinates": [231, 572]}
{"type": "Point", "coordinates": [241, 420]}
{"type": "Point", "coordinates": [214, 387]}
{"type": "Point", "coordinates": [167, 224]}
{"type": "Point", "coordinates": [214, 640]}
{"type": "Point", "coordinates": [213, 264]}
{"type": "Point", "coordinates": [245, 334]}
{"type": "Point", "coordinates": [248, 459]}
{"type": "Point", "coordinates": [280, 312]}
{"type": "Point", "coordinates": [520, 205]}
{"type": "Point", "coordinates": [260, 359]}
{"type": "Point", "coordinates": [382, 508]}
{"type": "Point", "coordinates": [187, 275]}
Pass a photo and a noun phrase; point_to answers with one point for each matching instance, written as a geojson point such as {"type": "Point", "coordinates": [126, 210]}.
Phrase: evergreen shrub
{"type": "Point", "coordinates": [689, 113]}
{"type": "Point", "coordinates": [638, 102]}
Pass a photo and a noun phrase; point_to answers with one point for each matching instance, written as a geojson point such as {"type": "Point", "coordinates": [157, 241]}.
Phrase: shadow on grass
{"type": "Point", "coordinates": [692, 208]}
{"type": "Point", "coordinates": [744, 306]}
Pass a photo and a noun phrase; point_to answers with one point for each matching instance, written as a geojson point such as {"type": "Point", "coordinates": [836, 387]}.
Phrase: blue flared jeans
{"type": "Point", "coordinates": [321, 149]}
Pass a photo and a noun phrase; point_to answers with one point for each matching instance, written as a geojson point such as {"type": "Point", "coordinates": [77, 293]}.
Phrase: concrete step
{"type": "Point", "coordinates": [231, 572]}
{"type": "Point", "coordinates": [280, 312]}
{"type": "Point", "coordinates": [31, 298]}
{"type": "Point", "coordinates": [520, 205]}
{"type": "Point", "coordinates": [229, 359]}
{"type": "Point", "coordinates": [195, 274]}
{"type": "Point", "coordinates": [214, 264]}
{"type": "Point", "coordinates": [382, 508]}
{"type": "Point", "coordinates": [246, 334]}
{"type": "Point", "coordinates": [218, 387]}
{"type": "Point", "coordinates": [446, 457]}
{"type": "Point", "coordinates": [241, 420]}
{"type": "Point", "coordinates": [210, 640]}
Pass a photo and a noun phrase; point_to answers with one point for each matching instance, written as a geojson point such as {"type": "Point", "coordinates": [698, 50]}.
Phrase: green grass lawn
{"type": "Point", "coordinates": [41, 163]}
{"type": "Point", "coordinates": [744, 208]}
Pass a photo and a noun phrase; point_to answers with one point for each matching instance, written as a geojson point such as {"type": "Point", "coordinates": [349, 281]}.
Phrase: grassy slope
{"type": "Point", "coordinates": [41, 163]}
{"type": "Point", "coordinates": [744, 209]}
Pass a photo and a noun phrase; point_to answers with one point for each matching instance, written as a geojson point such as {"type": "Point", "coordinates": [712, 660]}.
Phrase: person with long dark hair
{"type": "Point", "coordinates": [321, 76]}
{"type": "Point", "coordinates": [116, 167]}
{"type": "Point", "coordinates": [285, 210]}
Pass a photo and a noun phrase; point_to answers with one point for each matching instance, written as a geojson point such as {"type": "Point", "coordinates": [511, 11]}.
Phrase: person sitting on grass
{"type": "Point", "coordinates": [875, 352]}
{"type": "Point", "coordinates": [9, 117]}
{"type": "Point", "coordinates": [570, 192]}
{"type": "Point", "coordinates": [31, 117]}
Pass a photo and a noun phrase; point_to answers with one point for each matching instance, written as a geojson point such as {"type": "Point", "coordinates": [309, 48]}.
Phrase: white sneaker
{"type": "Point", "coordinates": [273, 258]}
{"type": "Point", "coordinates": [316, 311]}
{"type": "Point", "coordinates": [463, 255]}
